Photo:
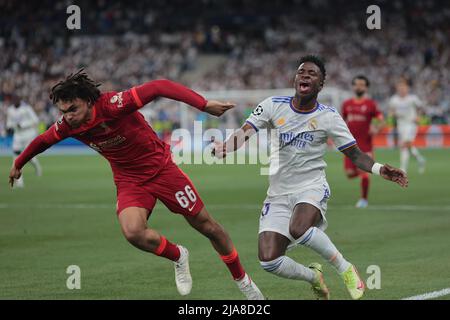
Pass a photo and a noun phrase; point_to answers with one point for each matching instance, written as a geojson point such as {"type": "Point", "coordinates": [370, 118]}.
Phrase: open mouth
{"type": "Point", "coordinates": [305, 87]}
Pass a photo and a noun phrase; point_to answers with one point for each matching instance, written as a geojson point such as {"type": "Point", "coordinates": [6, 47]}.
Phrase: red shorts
{"type": "Point", "coordinates": [350, 166]}
{"type": "Point", "coordinates": [171, 186]}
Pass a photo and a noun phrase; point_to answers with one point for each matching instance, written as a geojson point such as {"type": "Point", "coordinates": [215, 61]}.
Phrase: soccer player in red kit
{"type": "Point", "coordinates": [359, 113]}
{"type": "Point", "coordinates": [142, 166]}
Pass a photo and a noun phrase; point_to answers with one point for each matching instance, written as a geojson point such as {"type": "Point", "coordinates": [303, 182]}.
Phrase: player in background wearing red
{"type": "Point", "coordinates": [359, 113]}
{"type": "Point", "coordinates": [142, 166]}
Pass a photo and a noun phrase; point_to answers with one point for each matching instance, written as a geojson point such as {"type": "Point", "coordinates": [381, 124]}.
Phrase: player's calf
{"type": "Point", "coordinates": [208, 227]}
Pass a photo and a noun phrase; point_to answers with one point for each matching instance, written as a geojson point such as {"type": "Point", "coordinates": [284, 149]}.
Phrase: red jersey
{"type": "Point", "coordinates": [358, 115]}
{"type": "Point", "coordinates": [119, 133]}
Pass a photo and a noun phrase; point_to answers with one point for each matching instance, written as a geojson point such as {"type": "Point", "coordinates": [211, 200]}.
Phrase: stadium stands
{"type": "Point", "coordinates": [122, 44]}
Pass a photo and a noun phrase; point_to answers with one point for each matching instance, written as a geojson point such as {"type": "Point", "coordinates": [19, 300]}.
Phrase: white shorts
{"type": "Point", "coordinates": [407, 132]}
{"type": "Point", "coordinates": [22, 140]}
{"type": "Point", "coordinates": [277, 210]}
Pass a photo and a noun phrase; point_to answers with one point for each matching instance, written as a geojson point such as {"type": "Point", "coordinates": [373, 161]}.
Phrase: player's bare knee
{"type": "Point", "coordinates": [266, 256]}
{"type": "Point", "coordinates": [133, 235]}
{"type": "Point", "coordinates": [299, 230]}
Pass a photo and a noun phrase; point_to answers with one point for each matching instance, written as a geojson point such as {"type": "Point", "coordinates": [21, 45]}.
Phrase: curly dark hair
{"type": "Point", "coordinates": [77, 85]}
{"type": "Point", "coordinates": [317, 61]}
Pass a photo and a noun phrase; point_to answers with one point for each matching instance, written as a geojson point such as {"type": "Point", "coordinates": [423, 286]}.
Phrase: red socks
{"type": "Point", "coordinates": [168, 250]}
{"type": "Point", "coordinates": [234, 265]}
{"type": "Point", "coordinates": [364, 185]}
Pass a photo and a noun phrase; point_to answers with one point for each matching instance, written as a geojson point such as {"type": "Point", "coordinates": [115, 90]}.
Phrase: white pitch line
{"type": "Point", "coordinates": [430, 295]}
{"type": "Point", "coordinates": [231, 206]}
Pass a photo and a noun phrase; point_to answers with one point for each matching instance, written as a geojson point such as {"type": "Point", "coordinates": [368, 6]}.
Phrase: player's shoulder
{"type": "Point", "coordinates": [323, 108]}
{"type": "Point", "coordinates": [107, 98]}
{"type": "Point", "coordinates": [274, 103]}
{"type": "Point", "coordinates": [371, 102]}
{"type": "Point", "coordinates": [280, 99]}
{"type": "Point", "coordinates": [347, 102]}
{"type": "Point", "coordinates": [279, 103]}
{"type": "Point", "coordinates": [394, 97]}
{"type": "Point", "coordinates": [113, 101]}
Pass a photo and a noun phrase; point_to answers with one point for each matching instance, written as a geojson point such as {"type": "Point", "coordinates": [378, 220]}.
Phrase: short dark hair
{"type": "Point", "coordinates": [317, 61]}
{"type": "Point", "coordinates": [77, 85]}
{"type": "Point", "coordinates": [361, 77]}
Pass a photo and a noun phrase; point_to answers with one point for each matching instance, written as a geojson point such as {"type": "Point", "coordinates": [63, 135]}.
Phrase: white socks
{"type": "Point", "coordinates": [37, 166]}
{"type": "Point", "coordinates": [417, 154]}
{"type": "Point", "coordinates": [287, 268]}
{"type": "Point", "coordinates": [404, 159]}
{"type": "Point", "coordinates": [318, 241]}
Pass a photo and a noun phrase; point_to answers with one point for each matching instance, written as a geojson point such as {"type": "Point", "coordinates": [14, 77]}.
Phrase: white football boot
{"type": "Point", "coordinates": [249, 288]}
{"type": "Point", "coordinates": [183, 277]}
{"type": "Point", "coordinates": [362, 203]}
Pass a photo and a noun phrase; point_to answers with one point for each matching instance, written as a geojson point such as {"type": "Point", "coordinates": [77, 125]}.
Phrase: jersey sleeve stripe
{"type": "Point", "coordinates": [254, 127]}
{"type": "Point", "coordinates": [136, 97]}
{"type": "Point", "coordinates": [346, 146]}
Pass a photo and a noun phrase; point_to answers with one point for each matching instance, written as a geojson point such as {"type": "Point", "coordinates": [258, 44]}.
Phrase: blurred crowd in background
{"type": "Point", "coordinates": [122, 44]}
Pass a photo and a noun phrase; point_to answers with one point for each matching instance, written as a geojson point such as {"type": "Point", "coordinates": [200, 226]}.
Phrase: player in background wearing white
{"type": "Point", "coordinates": [23, 121]}
{"type": "Point", "coordinates": [296, 203]}
{"type": "Point", "coordinates": [403, 106]}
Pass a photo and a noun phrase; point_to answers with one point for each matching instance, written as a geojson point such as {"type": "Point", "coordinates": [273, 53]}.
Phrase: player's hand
{"type": "Point", "coordinates": [218, 108]}
{"type": "Point", "coordinates": [218, 149]}
{"type": "Point", "coordinates": [13, 175]}
{"type": "Point", "coordinates": [394, 175]}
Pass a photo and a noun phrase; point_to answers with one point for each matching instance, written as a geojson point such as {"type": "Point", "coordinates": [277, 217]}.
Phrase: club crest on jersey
{"type": "Point", "coordinates": [117, 99]}
{"type": "Point", "coordinates": [312, 125]}
{"type": "Point", "coordinates": [258, 110]}
{"type": "Point", "coordinates": [58, 123]}
{"type": "Point", "coordinates": [281, 121]}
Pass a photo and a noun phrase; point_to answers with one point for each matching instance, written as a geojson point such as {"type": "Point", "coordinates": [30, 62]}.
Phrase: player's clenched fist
{"type": "Point", "coordinates": [218, 149]}
{"type": "Point", "coordinates": [14, 174]}
{"type": "Point", "coordinates": [217, 108]}
{"type": "Point", "coordinates": [394, 174]}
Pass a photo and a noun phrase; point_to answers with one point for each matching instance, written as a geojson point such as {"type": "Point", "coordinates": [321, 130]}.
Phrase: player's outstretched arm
{"type": "Point", "coordinates": [148, 91]}
{"type": "Point", "coordinates": [234, 142]}
{"type": "Point", "coordinates": [366, 163]}
{"type": "Point", "coordinates": [38, 145]}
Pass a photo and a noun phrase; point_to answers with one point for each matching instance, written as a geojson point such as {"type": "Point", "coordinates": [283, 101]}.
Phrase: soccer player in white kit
{"type": "Point", "coordinates": [22, 119]}
{"type": "Point", "coordinates": [294, 209]}
{"type": "Point", "coordinates": [403, 106]}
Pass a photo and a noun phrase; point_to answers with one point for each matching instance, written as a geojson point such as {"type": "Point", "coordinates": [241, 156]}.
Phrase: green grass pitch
{"type": "Point", "coordinates": [67, 217]}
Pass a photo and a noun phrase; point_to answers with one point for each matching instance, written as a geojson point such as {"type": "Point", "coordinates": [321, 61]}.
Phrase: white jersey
{"type": "Point", "coordinates": [298, 142]}
{"type": "Point", "coordinates": [405, 108]}
{"type": "Point", "coordinates": [25, 122]}
{"type": "Point", "coordinates": [22, 119]}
